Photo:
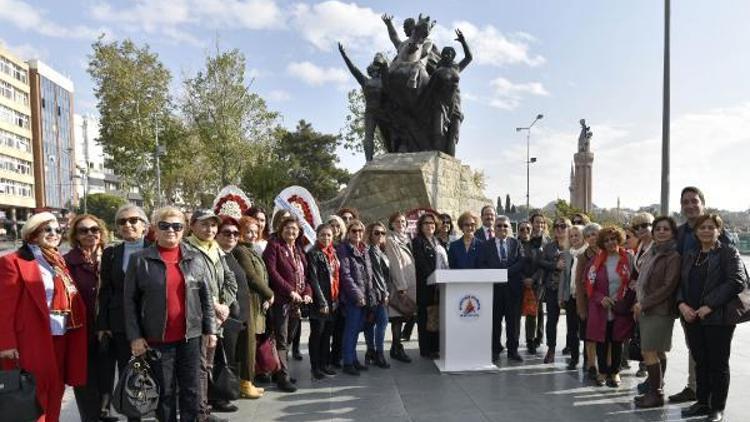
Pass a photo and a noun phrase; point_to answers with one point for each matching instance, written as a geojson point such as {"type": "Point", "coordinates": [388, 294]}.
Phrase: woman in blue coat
{"type": "Point", "coordinates": [464, 252]}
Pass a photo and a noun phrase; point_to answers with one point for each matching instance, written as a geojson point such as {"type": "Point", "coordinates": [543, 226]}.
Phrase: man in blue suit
{"type": "Point", "coordinates": [504, 252]}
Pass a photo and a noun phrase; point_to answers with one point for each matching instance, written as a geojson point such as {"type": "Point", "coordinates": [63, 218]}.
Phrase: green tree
{"type": "Point", "coordinates": [311, 160]}
{"type": "Point", "coordinates": [353, 133]}
{"type": "Point", "coordinates": [563, 209]}
{"type": "Point", "coordinates": [104, 206]}
{"type": "Point", "coordinates": [507, 203]}
{"type": "Point", "coordinates": [265, 178]}
{"type": "Point", "coordinates": [228, 119]}
{"type": "Point", "coordinates": [131, 85]}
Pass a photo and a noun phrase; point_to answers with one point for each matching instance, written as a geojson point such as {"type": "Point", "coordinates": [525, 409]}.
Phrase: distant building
{"type": "Point", "coordinates": [92, 174]}
{"type": "Point", "coordinates": [53, 143]}
{"type": "Point", "coordinates": [16, 156]}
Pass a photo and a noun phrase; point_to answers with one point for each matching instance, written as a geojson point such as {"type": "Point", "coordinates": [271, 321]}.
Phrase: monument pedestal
{"type": "Point", "coordinates": [466, 318]}
{"type": "Point", "coordinates": [404, 181]}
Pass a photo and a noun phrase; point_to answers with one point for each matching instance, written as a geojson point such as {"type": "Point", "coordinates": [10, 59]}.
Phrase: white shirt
{"type": "Point", "coordinates": [57, 323]}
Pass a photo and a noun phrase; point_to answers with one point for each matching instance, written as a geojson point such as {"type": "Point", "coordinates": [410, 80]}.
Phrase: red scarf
{"type": "Point", "coordinates": [623, 269]}
{"type": "Point", "coordinates": [333, 261]}
{"type": "Point", "coordinates": [65, 292]}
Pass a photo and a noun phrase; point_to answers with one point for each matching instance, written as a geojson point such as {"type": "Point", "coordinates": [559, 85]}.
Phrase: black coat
{"type": "Point", "coordinates": [145, 295]}
{"type": "Point", "coordinates": [319, 274]}
{"type": "Point", "coordinates": [726, 279]}
{"type": "Point", "coordinates": [240, 308]}
{"type": "Point", "coordinates": [424, 263]}
{"type": "Point", "coordinates": [514, 263]}
{"type": "Point", "coordinates": [111, 315]}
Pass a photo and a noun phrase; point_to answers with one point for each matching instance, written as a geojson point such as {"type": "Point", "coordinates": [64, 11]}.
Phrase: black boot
{"type": "Point", "coordinates": [655, 396]}
{"type": "Point", "coordinates": [398, 353]}
{"type": "Point", "coordinates": [380, 361]}
{"type": "Point", "coordinates": [369, 357]}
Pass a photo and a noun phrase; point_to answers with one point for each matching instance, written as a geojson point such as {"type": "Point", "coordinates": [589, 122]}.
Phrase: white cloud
{"type": "Point", "coordinates": [175, 18]}
{"type": "Point", "coordinates": [507, 95]}
{"type": "Point", "coordinates": [31, 18]}
{"type": "Point", "coordinates": [315, 75]}
{"type": "Point", "coordinates": [490, 46]}
{"type": "Point", "coordinates": [279, 95]}
{"type": "Point", "coordinates": [25, 51]}
{"type": "Point", "coordinates": [324, 24]}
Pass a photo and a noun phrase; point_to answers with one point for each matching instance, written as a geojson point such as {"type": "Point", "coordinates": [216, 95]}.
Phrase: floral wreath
{"type": "Point", "coordinates": [296, 199]}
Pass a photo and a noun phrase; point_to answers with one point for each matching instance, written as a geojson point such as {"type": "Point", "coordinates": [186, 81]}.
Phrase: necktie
{"type": "Point", "coordinates": [490, 233]}
{"type": "Point", "coordinates": [503, 254]}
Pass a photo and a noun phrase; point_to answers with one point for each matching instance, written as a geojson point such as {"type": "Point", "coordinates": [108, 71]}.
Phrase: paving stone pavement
{"type": "Point", "coordinates": [530, 391]}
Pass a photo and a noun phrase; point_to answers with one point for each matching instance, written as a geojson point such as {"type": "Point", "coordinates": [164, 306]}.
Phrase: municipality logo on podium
{"type": "Point", "coordinates": [469, 307]}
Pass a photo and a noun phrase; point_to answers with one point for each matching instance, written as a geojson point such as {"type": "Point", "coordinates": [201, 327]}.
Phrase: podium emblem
{"type": "Point", "coordinates": [469, 307]}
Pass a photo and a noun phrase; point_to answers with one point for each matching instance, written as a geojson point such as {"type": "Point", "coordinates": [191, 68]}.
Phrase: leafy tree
{"type": "Point", "coordinates": [311, 160]}
{"type": "Point", "coordinates": [353, 133]}
{"type": "Point", "coordinates": [229, 120]}
{"type": "Point", "coordinates": [563, 209]}
{"type": "Point", "coordinates": [132, 89]}
{"type": "Point", "coordinates": [104, 206]}
{"type": "Point", "coordinates": [513, 210]}
{"type": "Point", "coordinates": [265, 178]}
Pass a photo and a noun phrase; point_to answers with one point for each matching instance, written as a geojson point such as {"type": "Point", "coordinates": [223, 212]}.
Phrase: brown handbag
{"type": "Point", "coordinates": [405, 305]}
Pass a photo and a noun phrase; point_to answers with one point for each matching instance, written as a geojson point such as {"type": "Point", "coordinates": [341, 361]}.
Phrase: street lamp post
{"type": "Point", "coordinates": [529, 159]}
{"type": "Point", "coordinates": [665, 117]}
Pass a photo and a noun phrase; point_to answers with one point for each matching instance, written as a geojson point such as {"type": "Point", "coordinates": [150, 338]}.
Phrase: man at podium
{"type": "Point", "coordinates": [504, 252]}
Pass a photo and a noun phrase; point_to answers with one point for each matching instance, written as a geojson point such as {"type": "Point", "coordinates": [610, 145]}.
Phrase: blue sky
{"type": "Point", "coordinates": [599, 60]}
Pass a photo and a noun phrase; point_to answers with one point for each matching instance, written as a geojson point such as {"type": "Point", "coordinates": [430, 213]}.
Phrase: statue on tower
{"type": "Point", "coordinates": [584, 139]}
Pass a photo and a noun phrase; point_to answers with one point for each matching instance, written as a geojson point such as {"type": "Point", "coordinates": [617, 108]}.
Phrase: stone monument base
{"type": "Point", "coordinates": [401, 182]}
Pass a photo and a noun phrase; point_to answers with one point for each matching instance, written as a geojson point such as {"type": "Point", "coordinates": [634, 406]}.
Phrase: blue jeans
{"type": "Point", "coordinates": [375, 330]}
{"type": "Point", "coordinates": [355, 318]}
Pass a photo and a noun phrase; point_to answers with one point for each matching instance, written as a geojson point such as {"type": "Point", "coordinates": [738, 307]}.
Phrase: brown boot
{"type": "Point", "coordinates": [249, 391]}
{"type": "Point", "coordinates": [655, 395]}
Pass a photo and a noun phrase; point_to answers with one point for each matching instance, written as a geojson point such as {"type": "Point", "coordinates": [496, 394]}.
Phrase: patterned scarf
{"type": "Point", "coordinates": [65, 292]}
{"type": "Point", "coordinates": [623, 269]}
{"type": "Point", "coordinates": [333, 262]}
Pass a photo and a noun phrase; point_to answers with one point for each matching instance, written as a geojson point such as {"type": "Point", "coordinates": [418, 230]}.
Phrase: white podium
{"type": "Point", "coordinates": [466, 318]}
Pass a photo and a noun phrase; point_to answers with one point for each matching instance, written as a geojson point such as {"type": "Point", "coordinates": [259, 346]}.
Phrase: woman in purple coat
{"type": "Point", "coordinates": [356, 291]}
{"type": "Point", "coordinates": [286, 264]}
{"type": "Point", "coordinates": [610, 320]}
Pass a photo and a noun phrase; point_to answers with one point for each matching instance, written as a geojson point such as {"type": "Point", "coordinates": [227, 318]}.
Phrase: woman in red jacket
{"type": "Point", "coordinates": [286, 264]}
{"type": "Point", "coordinates": [42, 315]}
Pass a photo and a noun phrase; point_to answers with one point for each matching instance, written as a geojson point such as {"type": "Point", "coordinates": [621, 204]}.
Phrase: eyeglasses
{"type": "Point", "coordinates": [429, 222]}
{"type": "Point", "coordinates": [378, 233]}
{"type": "Point", "coordinates": [132, 220]}
{"type": "Point", "coordinates": [230, 233]}
{"type": "Point", "coordinates": [164, 226]}
{"type": "Point", "coordinates": [662, 229]}
{"type": "Point", "coordinates": [501, 226]}
{"type": "Point", "coordinates": [560, 226]}
{"type": "Point", "coordinates": [89, 230]}
{"type": "Point", "coordinates": [641, 226]}
{"type": "Point", "coordinates": [578, 222]}
{"type": "Point", "coordinates": [611, 239]}
{"type": "Point", "coordinates": [50, 229]}
{"type": "Point", "coordinates": [523, 229]}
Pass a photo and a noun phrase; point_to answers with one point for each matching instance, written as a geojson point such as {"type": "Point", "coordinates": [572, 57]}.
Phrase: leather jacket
{"type": "Point", "coordinates": [145, 295]}
{"type": "Point", "coordinates": [725, 279]}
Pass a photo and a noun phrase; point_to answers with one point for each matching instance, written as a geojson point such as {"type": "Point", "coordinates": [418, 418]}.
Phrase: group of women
{"type": "Point", "coordinates": [231, 283]}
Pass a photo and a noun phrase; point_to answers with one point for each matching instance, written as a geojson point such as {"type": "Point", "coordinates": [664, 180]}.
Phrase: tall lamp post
{"type": "Point", "coordinates": [665, 118]}
{"type": "Point", "coordinates": [529, 159]}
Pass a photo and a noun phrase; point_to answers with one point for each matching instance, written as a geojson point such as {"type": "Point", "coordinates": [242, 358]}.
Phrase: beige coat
{"type": "Point", "coordinates": [403, 276]}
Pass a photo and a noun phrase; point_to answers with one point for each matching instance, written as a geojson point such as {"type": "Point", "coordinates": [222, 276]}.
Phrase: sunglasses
{"type": "Point", "coordinates": [230, 233]}
{"type": "Point", "coordinates": [523, 229]}
{"type": "Point", "coordinates": [578, 222]}
{"type": "Point", "coordinates": [641, 226]}
{"type": "Point", "coordinates": [501, 226]}
{"type": "Point", "coordinates": [356, 231]}
{"type": "Point", "coordinates": [164, 226]}
{"type": "Point", "coordinates": [378, 233]}
{"type": "Point", "coordinates": [50, 229]}
{"type": "Point", "coordinates": [89, 230]}
{"type": "Point", "coordinates": [132, 220]}
{"type": "Point", "coordinates": [560, 226]}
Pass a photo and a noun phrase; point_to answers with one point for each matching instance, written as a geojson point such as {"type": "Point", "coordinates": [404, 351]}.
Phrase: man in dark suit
{"type": "Point", "coordinates": [504, 252]}
{"type": "Point", "coordinates": [488, 222]}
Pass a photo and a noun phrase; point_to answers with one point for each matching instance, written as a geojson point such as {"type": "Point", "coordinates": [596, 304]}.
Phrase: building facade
{"type": "Point", "coordinates": [53, 139]}
{"type": "Point", "coordinates": [16, 152]}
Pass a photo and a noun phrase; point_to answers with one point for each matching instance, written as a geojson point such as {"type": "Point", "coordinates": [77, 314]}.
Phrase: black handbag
{"type": "Point", "coordinates": [18, 396]}
{"type": "Point", "coordinates": [224, 383]}
{"type": "Point", "coordinates": [137, 391]}
{"type": "Point", "coordinates": [634, 348]}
